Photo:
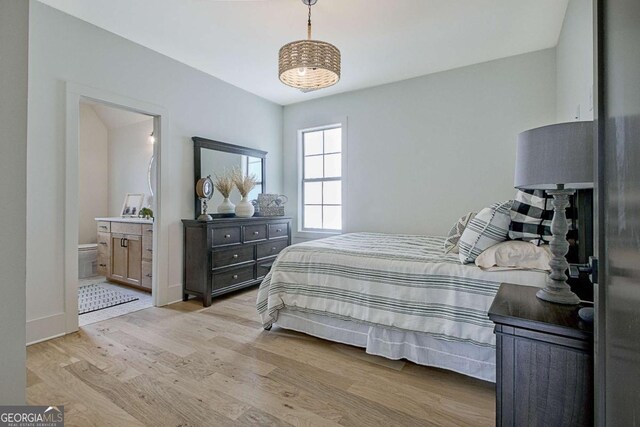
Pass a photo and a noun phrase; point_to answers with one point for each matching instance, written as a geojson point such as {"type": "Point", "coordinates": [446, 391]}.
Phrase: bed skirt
{"type": "Point", "coordinates": [418, 347]}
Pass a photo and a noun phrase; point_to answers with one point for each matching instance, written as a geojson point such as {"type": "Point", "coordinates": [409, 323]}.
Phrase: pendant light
{"type": "Point", "coordinates": [309, 64]}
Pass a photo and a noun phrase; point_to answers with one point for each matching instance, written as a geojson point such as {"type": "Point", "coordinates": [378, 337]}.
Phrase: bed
{"type": "Point", "coordinates": [397, 296]}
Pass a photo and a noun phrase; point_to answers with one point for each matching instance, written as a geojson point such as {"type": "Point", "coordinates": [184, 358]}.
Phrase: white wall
{"type": "Point", "coordinates": [574, 61]}
{"type": "Point", "coordinates": [423, 152]}
{"type": "Point", "coordinates": [14, 33]}
{"type": "Point", "coordinates": [93, 174]}
{"type": "Point", "coordinates": [129, 155]}
{"type": "Point", "coordinates": [196, 104]}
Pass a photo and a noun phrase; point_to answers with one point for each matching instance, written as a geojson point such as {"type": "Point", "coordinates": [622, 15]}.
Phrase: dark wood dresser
{"type": "Point", "coordinates": [544, 361]}
{"type": "Point", "coordinates": [227, 254]}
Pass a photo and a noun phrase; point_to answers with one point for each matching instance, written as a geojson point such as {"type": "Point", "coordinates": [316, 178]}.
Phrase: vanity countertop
{"type": "Point", "coordinates": [126, 219]}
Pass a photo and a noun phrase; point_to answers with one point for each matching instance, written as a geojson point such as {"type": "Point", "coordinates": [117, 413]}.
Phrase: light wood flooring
{"type": "Point", "coordinates": [183, 365]}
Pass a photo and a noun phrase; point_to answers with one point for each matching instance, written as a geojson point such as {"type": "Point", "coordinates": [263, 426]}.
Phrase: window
{"type": "Point", "coordinates": [322, 179]}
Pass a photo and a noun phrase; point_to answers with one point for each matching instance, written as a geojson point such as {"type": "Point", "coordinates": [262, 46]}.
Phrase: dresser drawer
{"type": "Point", "coordinates": [146, 274]}
{"type": "Point", "coordinates": [104, 226]}
{"type": "Point", "coordinates": [263, 268]}
{"type": "Point", "coordinates": [255, 232]}
{"type": "Point", "coordinates": [278, 230]}
{"type": "Point", "coordinates": [232, 277]}
{"type": "Point", "coordinates": [226, 236]}
{"type": "Point", "coordinates": [232, 256]}
{"type": "Point", "coordinates": [270, 248]}
{"type": "Point", "coordinates": [104, 239]}
{"type": "Point", "coordinates": [147, 230]}
{"type": "Point", "coordinates": [126, 228]}
{"type": "Point", "coordinates": [102, 269]}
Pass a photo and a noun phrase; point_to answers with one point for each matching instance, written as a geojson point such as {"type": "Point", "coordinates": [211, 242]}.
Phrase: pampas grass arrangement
{"type": "Point", "coordinates": [224, 184]}
{"type": "Point", "coordinates": [244, 183]}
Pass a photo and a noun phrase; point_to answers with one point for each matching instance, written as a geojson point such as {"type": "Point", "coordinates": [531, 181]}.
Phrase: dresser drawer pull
{"type": "Point", "coordinates": [226, 236]}
{"type": "Point", "coordinates": [150, 250]}
{"type": "Point", "coordinates": [278, 230]}
{"type": "Point", "coordinates": [235, 256]}
{"type": "Point", "coordinates": [103, 265]}
{"type": "Point", "coordinates": [150, 230]}
{"type": "Point", "coordinates": [274, 248]}
{"type": "Point", "coordinates": [255, 233]}
{"type": "Point", "coordinates": [103, 243]}
{"type": "Point", "coordinates": [149, 275]}
{"type": "Point", "coordinates": [104, 227]}
{"type": "Point", "coordinates": [235, 276]}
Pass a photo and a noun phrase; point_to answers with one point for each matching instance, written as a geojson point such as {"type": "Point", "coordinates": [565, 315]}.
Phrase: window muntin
{"type": "Point", "coordinates": [322, 179]}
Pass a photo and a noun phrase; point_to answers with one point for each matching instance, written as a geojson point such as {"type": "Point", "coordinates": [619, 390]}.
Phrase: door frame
{"type": "Point", "coordinates": [75, 93]}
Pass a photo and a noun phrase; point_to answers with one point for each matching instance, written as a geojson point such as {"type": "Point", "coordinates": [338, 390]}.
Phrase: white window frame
{"type": "Point", "coordinates": [320, 233]}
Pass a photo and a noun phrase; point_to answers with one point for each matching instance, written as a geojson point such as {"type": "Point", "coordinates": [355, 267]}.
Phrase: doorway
{"type": "Point", "coordinates": [151, 236]}
{"type": "Point", "coordinates": [115, 211]}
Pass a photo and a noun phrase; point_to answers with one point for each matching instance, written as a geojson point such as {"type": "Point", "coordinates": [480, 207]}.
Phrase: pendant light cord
{"type": "Point", "coordinates": [309, 23]}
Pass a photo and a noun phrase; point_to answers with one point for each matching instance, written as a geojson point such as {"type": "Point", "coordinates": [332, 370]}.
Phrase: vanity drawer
{"type": "Point", "coordinates": [147, 230]}
{"type": "Point", "coordinates": [255, 232]}
{"type": "Point", "coordinates": [126, 228]}
{"type": "Point", "coordinates": [226, 236]}
{"type": "Point", "coordinates": [232, 256]}
{"type": "Point", "coordinates": [104, 226]}
{"type": "Point", "coordinates": [103, 242]}
{"type": "Point", "coordinates": [278, 230]}
{"type": "Point", "coordinates": [270, 248]}
{"type": "Point", "coordinates": [102, 269]}
{"type": "Point", "coordinates": [232, 277]}
{"type": "Point", "coordinates": [147, 246]}
{"type": "Point", "coordinates": [146, 274]}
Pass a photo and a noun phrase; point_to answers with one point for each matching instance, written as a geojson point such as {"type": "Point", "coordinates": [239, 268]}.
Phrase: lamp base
{"type": "Point", "coordinates": [558, 295]}
{"type": "Point", "coordinates": [557, 289]}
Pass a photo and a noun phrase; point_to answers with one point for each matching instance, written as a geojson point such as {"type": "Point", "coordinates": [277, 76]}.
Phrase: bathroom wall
{"type": "Point", "coordinates": [129, 155]}
{"type": "Point", "coordinates": [93, 173]}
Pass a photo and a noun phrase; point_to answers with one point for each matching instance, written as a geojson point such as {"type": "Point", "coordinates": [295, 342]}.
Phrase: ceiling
{"type": "Point", "coordinates": [114, 118]}
{"type": "Point", "coordinates": [381, 41]}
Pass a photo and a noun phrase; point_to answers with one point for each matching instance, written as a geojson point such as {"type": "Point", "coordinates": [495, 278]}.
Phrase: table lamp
{"type": "Point", "coordinates": [558, 159]}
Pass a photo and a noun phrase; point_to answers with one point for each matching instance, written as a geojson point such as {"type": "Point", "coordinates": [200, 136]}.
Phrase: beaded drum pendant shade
{"type": "Point", "coordinates": [309, 64]}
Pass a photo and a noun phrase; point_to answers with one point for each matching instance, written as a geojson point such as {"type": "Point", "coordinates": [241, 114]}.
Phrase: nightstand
{"type": "Point", "coordinates": [544, 361]}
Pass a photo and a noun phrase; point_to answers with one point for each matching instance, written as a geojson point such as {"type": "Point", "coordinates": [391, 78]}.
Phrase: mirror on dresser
{"type": "Point", "coordinates": [214, 157]}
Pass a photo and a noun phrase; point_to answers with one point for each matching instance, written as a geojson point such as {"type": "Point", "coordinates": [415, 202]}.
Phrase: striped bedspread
{"type": "Point", "coordinates": [398, 281]}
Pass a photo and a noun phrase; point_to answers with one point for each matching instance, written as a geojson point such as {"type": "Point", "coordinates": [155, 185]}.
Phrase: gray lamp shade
{"type": "Point", "coordinates": [554, 155]}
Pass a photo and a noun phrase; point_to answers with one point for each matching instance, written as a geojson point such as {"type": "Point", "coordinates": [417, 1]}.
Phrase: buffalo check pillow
{"type": "Point", "coordinates": [531, 215]}
{"type": "Point", "coordinates": [488, 227]}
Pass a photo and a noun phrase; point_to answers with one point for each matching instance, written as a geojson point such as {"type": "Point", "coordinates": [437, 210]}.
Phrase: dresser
{"type": "Point", "coordinates": [226, 254]}
{"type": "Point", "coordinates": [125, 250]}
{"type": "Point", "coordinates": [544, 361]}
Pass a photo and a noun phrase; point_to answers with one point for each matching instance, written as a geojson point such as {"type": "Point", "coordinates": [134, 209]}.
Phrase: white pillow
{"type": "Point", "coordinates": [515, 254]}
{"type": "Point", "coordinates": [489, 227]}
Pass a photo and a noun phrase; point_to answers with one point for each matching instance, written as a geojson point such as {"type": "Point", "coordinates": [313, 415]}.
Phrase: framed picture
{"type": "Point", "coordinates": [132, 204]}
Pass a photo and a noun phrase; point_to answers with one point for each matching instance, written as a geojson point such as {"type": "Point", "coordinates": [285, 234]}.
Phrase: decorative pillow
{"type": "Point", "coordinates": [451, 242]}
{"type": "Point", "coordinates": [490, 226]}
{"type": "Point", "coordinates": [531, 215]}
{"type": "Point", "coordinates": [515, 254]}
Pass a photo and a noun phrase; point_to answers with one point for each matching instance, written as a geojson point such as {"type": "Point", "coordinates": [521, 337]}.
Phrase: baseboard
{"type": "Point", "coordinates": [45, 328]}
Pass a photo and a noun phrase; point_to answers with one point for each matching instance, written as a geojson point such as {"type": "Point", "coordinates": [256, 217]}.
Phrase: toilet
{"type": "Point", "coordinates": [87, 260]}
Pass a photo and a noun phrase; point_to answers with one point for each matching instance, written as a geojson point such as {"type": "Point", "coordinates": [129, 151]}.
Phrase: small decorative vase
{"type": "Point", "coordinates": [226, 206]}
{"type": "Point", "coordinates": [244, 208]}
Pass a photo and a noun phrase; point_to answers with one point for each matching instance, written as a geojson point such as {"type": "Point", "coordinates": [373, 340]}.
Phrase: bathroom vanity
{"type": "Point", "coordinates": [125, 250]}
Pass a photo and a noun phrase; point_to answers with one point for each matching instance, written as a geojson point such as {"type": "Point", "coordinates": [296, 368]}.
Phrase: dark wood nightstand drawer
{"type": "Point", "coordinates": [232, 277]}
{"type": "Point", "coordinates": [255, 232]}
{"type": "Point", "coordinates": [270, 249]}
{"type": "Point", "coordinates": [278, 230]}
{"type": "Point", "coordinates": [232, 256]}
{"type": "Point", "coordinates": [226, 236]}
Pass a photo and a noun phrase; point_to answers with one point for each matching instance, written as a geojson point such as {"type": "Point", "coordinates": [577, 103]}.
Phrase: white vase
{"type": "Point", "coordinates": [226, 206]}
{"type": "Point", "coordinates": [244, 208]}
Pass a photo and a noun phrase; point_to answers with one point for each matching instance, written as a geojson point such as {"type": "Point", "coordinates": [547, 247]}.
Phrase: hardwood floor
{"type": "Point", "coordinates": [183, 365]}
